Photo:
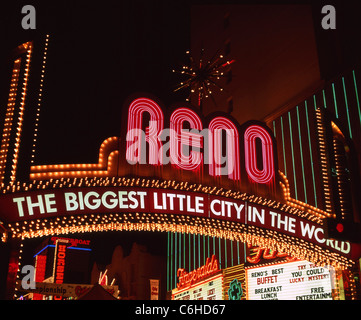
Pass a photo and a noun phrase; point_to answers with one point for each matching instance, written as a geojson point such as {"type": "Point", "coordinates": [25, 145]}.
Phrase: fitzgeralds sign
{"type": "Point", "coordinates": [186, 279]}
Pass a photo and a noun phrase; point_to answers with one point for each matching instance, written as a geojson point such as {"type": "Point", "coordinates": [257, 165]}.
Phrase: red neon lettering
{"type": "Point", "coordinates": [180, 138]}
{"type": "Point", "coordinates": [188, 278]}
{"type": "Point", "coordinates": [215, 152]}
{"type": "Point", "coordinates": [60, 269]}
{"type": "Point", "coordinates": [267, 173]}
{"type": "Point", "coordinates": [61, 262]}
{"type": "Point", "coordinates": [267, 254]}
{"type": "Point", "coordinates": [135, 143]}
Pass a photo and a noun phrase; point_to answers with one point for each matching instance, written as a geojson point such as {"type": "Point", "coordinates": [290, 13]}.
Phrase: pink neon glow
{"type": "Point", "coordinates": [215, 153]}
{"type": "Point", "coordinates": [267, 173]}
{"type": "Point", "coordinates": [135, 122]}
{"type": "Point", "coordinates": [179, 137]}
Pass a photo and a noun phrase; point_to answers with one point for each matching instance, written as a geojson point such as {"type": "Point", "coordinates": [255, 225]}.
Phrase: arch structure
{"type": "Point", "coordinates": [77, 198]}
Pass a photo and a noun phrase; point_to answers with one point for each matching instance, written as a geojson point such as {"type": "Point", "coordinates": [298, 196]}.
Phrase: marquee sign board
{"type": "Point", "coordinates": [208, 289]}
{"type": "Point", "coordinates": [82, 201]}
{"type": "Point", "coordinates": [299, 280]}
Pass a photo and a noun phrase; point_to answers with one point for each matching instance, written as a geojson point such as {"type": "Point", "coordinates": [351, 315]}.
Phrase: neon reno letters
{"type": "Point", "coordinates": [179, 137]}
{"type": "Point", "coordinates": [190, 148]}
{"type": "Point", "coordinates": [266, 174]}
{"type": "Point", "coordinates": [135, 121]}
{"type": "Point", "coordinates": [215, 140]}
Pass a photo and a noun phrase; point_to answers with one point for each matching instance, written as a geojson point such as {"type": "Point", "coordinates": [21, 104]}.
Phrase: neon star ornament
{"type": "Point", "coordinates": [202, 77]}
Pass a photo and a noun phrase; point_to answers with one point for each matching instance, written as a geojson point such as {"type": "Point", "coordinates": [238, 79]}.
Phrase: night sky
{"type": "Point", "coordinates": [99, 54]}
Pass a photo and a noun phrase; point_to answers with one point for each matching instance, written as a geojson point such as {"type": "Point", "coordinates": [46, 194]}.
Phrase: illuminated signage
{"type": "Point", "coordinates": [191, 147]}
{"type": "Point", "coordinates": [188, 278]}
{"type": "Point", "coordinates": [40, 269]}
{"type": "Point", "coordinates": [234, 283]}
{"type": "Point", "coordinates": [299, 280]}
{"type": "Point", "coordinates": [83, 201]}
{"type": "Point", "coordinates": [59, 263]}
{"type": "Point", "coordinates": [208, 289]}
{"type": "Point", "coordinates": [257, 253]}
{"type": "Point", "coordinates": [178, 145]}
{"type": "Point", "coordinates": [235, 290]}
{"type": "Point", "coordinates": [73, 242]}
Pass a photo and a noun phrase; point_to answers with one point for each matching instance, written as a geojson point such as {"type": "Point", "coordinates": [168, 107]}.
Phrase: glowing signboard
{"type": "Point", "coordinates": [83, 201]}
{"type": "Point", "coordinates": [207, 289]}
{"type": "Point", "coordinates": [188, 278]}
{"type": "Point", "coordinates": [180, 146]}
{"type": "Point", "coordinates": [300, 280]}
{"type": "Point", "coordinates": [59, 262]}
{"type": "Point", "coordinates": [191, 147]}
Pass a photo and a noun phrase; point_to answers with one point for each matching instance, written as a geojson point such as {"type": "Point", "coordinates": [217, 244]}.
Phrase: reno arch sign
{"type": "Point", "coordinates": [243, 154]}
{"type": "Point", "coordinates": [183, 149]}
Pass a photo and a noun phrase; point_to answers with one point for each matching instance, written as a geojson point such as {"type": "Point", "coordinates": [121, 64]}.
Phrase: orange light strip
{"type": "Point", "coordinates": [28, 47]}
{"type": "Point", "coordinates": [39, 99]}
{"type": "Point", "coordinates": [318, 213]}
{"type": "Point", "coordinates": [337, 130]}
{"type": "Point", "coordinates": [253, 235]}
{"type": "Point", "coordinates": [106, 166]}
{"type": "Point", "coordinates": [323, 161]}
{"type": "Point", "coordinates": [9, 117]}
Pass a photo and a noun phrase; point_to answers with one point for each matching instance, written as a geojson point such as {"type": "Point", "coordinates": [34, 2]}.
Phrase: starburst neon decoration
{"type": "Point", "coordinates": [203, 76]}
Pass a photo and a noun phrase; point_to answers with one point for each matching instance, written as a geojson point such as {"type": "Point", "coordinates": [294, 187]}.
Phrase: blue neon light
{"type": "Point", "coordinates": [53, 246]}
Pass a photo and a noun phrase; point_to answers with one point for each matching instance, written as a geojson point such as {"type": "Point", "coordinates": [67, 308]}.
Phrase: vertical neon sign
{"type": "Point", "coordinates": [59, 263]}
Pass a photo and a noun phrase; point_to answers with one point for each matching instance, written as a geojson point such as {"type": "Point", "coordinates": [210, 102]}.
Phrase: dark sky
{"type": "Point", "coordinates": [99, 53]}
